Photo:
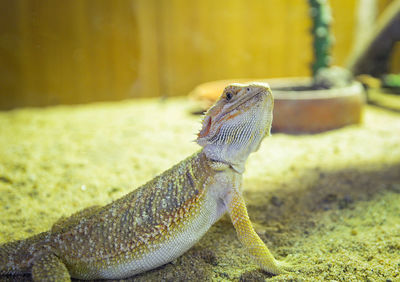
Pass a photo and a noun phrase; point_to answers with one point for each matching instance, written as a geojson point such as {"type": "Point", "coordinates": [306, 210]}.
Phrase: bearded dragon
{"type": "Point", "coordinates": [162, 219]}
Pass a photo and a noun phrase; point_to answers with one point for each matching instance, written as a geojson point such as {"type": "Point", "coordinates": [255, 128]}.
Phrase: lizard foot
{"type": "Point", "coordinates": [279, 267]}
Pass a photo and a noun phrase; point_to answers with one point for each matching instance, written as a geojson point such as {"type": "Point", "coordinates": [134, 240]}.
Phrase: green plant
{"type": "Point", "coordinates": [391, 80]}
{"type": "Point", "coordinates": [322, 38]}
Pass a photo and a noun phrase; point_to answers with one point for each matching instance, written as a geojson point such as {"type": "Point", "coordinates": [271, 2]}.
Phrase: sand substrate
{"type": "Point", "coordinates": [329, 203]}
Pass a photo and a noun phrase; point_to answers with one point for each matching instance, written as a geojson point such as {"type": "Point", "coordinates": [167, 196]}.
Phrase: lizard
{"type": "Point", "coordinates": [161, 220]}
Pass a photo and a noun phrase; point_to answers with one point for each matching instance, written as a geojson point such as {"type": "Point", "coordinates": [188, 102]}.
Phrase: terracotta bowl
{"type": "Point", "coordinates": [299, 112]}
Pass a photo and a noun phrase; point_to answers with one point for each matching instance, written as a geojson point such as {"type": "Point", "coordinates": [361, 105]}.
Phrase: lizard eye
{"type": "Point", "coordinates": [229, 96]}
{"type": "Point", "coordinates": [248, 89]}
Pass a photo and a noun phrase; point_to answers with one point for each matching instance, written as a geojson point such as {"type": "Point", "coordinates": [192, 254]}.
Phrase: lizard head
{"type": "Point", "coordinates": [236, 124]}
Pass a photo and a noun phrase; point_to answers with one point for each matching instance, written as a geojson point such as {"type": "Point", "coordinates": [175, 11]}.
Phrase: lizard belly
{"type": "Point", "coordinates": [178, 243]}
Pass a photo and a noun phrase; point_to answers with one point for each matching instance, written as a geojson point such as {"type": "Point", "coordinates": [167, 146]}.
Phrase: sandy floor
{"type": "Point", "coordinates": [327, 203]}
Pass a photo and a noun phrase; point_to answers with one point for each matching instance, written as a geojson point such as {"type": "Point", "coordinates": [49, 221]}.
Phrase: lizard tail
{"type": "Point", "coordinates": [17, 257]}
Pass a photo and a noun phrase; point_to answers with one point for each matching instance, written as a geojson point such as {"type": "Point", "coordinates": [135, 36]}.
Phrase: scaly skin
{"type": "Point", "coordinates": [161, 220]}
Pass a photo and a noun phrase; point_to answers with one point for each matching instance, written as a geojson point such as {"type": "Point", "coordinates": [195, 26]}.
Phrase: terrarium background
{"type": "Point", "coordinates": [76, 51]}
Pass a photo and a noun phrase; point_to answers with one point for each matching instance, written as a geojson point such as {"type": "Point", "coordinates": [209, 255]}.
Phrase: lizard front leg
{"type": "Point", "coordinates": [249, 238]}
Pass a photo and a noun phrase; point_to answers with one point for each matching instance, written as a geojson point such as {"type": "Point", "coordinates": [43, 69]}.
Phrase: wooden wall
{"type": "Point", "coordinates": [78, 51]}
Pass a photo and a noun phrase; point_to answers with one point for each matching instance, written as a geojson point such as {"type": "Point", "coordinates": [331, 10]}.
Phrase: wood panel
{"type": "Point", "coordinates": [147, 83]}
{"type": "Point", "coordinates": [343, 26]}
{"type": "Point", "coordinates": [395, 59]}
{"type": "Point", "coordinates": [10, 69]}
{"type": "Point", "coordinates": [67, 52]}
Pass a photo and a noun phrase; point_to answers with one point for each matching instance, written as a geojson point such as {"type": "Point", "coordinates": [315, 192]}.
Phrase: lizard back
{"type": "Point", "coordinates": [144, 221]}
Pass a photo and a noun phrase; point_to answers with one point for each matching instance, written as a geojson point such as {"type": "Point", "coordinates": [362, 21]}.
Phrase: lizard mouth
{"type": "Point", "coordinates": [239, 103]}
